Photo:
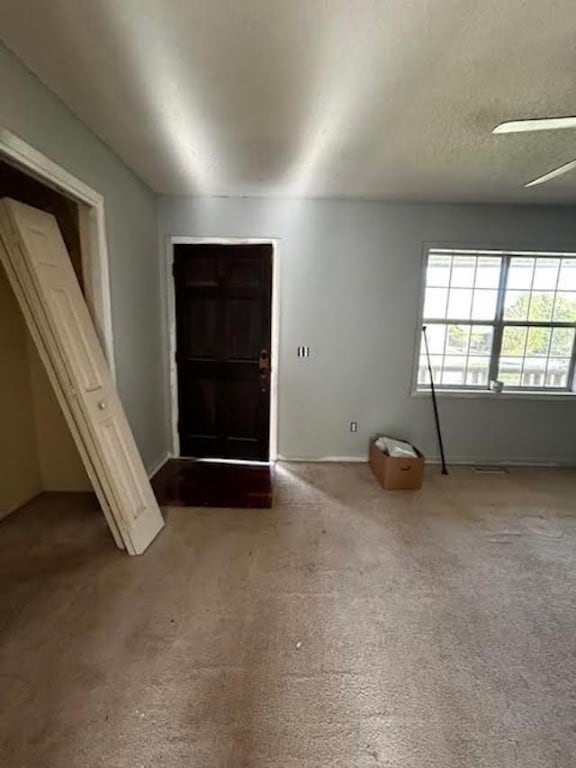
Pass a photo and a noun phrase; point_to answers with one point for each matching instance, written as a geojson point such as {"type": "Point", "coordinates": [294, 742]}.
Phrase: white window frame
{"type": "Point", "coordinates": [498, 323]}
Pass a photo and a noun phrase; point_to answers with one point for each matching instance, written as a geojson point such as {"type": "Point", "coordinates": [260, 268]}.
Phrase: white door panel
{"type": "Point", "coordinates": [39, 258]}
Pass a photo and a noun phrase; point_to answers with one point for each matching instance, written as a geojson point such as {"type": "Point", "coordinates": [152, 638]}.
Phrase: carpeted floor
{"type": "Point", "coordinates": [345, 628]}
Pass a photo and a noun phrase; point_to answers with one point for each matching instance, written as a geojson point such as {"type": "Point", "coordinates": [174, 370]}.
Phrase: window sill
{"type": "Point", "coordinates": [488, 395]}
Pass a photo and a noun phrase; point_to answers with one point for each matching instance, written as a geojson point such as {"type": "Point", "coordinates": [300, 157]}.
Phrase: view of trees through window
{"type": "Point", "coordinates": [510, 317]}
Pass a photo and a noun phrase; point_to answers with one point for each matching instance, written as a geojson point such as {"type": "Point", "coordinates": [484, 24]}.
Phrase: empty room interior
{"type": "Point", "coordinates": [287, 384]}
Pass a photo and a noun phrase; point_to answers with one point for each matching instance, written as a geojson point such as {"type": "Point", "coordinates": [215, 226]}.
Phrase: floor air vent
{"type": "Point", "coordinates": [489, 469]}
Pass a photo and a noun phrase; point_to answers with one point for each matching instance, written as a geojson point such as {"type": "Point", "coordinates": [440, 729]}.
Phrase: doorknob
{"type": "Point", "coordinates": [264, 362]}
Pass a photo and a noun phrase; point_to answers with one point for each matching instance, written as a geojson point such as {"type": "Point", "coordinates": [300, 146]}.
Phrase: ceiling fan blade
{"type": "Point", "coordinates": [538, 124]}
{"type": "Point", "coordinates": [552, 174]}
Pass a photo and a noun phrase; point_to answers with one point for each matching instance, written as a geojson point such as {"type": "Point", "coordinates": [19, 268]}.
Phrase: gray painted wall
{"type": "Point", "coordinates": [350, 276]}
{"type": "Point", "coordinates": [35, 115]}
{"type": "Point", "coordinates": [350, 288]}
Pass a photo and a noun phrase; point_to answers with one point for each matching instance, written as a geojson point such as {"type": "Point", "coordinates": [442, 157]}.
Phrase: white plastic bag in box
{"type": "Point", "coordinates": [397, 448]}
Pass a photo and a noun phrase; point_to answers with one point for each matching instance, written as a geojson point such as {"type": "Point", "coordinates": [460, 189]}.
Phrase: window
{"type": "Point", "coordinates": [502, 317]}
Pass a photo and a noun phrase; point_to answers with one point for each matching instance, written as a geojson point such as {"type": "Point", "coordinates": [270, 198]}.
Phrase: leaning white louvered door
{"type": "Point", "coordinates": [40, 264]}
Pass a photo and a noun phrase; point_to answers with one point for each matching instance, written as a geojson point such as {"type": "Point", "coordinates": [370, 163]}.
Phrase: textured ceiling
{"type": "Point", "coordinates": [385, 99]}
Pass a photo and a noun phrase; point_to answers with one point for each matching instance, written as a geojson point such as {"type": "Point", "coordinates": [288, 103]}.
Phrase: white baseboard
{"type": "Point", "coordinates": [467, 462]}
{"type": "Point", "coordinates": [558, 463]}
{"type": "Point", "coordinates": [158, 464]}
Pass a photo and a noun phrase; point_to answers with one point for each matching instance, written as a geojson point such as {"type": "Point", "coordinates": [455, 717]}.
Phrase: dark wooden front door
{"type": "Point", "coordinates": [223, 337]}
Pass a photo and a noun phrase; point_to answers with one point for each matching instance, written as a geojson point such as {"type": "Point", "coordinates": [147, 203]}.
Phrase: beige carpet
{"type": "Point", "coordinates": [346, 628]}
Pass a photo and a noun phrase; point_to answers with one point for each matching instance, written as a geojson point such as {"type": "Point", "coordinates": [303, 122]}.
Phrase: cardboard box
{"type": "Point", "coordinates": [397, 474]}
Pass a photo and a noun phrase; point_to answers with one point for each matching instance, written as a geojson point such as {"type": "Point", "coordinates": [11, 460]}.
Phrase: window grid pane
{"type": "Point", "coordinates": [536, 357]}
{"type": "Point", "coordinates": [565, 307]}
{"type": "Point", "coordinates": [461, 306]}
{"type": "Point", "coordinates": [520, 273]}
{"type": "Point", "coordinates": [459, 287]}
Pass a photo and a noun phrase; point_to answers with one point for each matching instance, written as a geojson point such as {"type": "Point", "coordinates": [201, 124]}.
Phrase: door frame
{"type": "Point", "coordinates": [172, 372]}
{"type": "Point", "coordinates": [92, 223]}
{"type": "Point", "coordinates": [58, 319]}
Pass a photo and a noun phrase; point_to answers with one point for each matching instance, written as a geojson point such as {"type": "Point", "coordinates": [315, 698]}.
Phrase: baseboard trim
{"type": "Point", "coordinates": [557, 463]}
{"type": "Point", "coordinates": [158, 464]}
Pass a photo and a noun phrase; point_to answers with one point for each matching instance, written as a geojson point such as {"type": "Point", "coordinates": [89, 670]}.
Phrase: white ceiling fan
{"type": "Point", "coordinates": [541, 124]}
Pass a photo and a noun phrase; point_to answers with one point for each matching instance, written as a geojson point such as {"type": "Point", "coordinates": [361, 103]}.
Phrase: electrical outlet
{"type": "Point", "coordinates": [353, 426]}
